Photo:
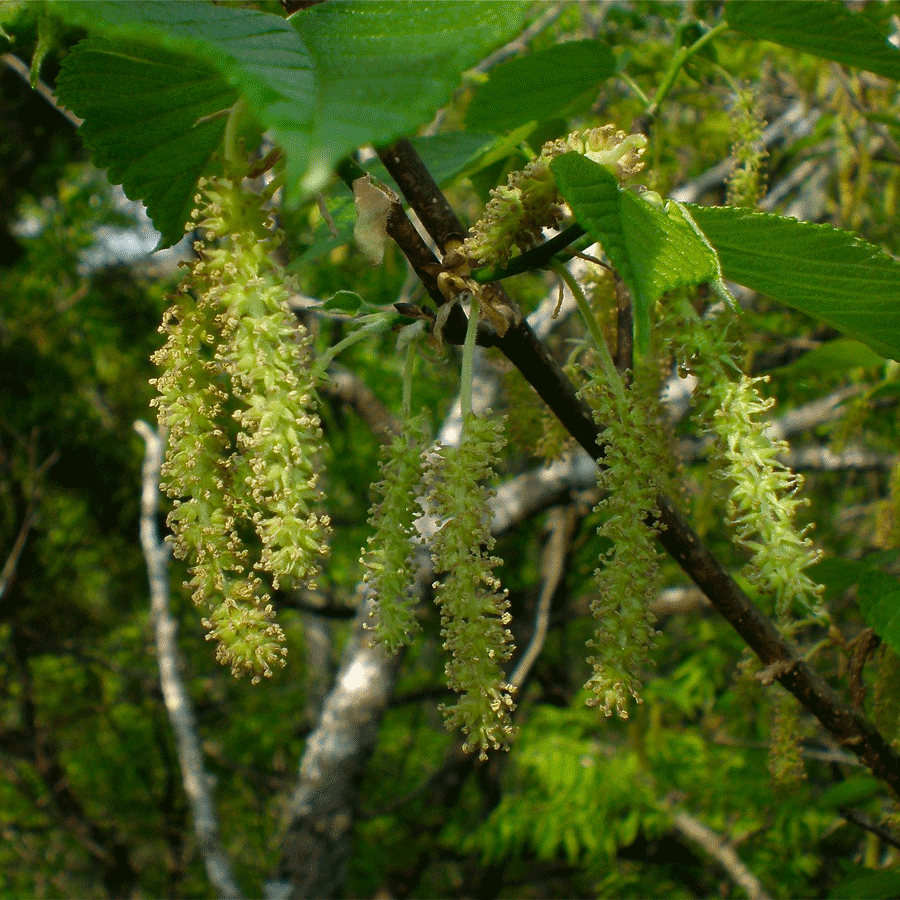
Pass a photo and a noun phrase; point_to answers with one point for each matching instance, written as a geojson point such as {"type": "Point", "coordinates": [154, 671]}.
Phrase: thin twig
{"type": "Point", "coordinates": [177, 700]}
{"type": "Point", "coordinates": [22, 70]}
{"type": "Point", "coordinates": [12, 561]}
{"type": "Point", "coordinates": [723, 853]}
{"type": "Point", "coordinates": [868, 824]}
{"type": "Point", "coordinates": [562, 524]}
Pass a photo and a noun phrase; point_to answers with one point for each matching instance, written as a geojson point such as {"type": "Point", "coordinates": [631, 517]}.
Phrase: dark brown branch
{"type": "Point", "coordinates": [421, 191]}
{"type": "Point", "coordinates": [530, 356]}
{"type": "Point", "coordinates": [624, 328]}
{"type": "Point", "coordinates": [868, 824]}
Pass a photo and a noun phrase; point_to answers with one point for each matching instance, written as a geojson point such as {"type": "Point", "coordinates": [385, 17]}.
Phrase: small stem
{"type": "Point", "coordinates": [465, 387]}
{"type": "Point", "coordinates": [230, 141]}
{"type": "Point", "coordinates": [537, 258]}
{"type": "Point", "coordinates": [409, 366]}
{"type": "Point", "coordinates": [635, 87]}
{"type": "Point", "coordinates": [328, 355]}
{"type": "Point", "coordinates": [681, 56]}
{"type": "Point", "coordinates": [606, 360]}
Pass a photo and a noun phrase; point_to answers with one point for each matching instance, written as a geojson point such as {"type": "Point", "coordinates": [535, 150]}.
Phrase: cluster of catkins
{"type": "Point", "coordinates": [237, 399]}
{"type": "Point", "coordinates": [237, 396]}
{"type": "Point", "coordinates": [447, 482]}
{"type": "Point", "coordinates": [517, 212]}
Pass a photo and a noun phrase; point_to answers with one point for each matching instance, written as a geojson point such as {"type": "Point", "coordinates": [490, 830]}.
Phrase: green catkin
{"type": "Point", "coordinates": [237, 400]}
{"type": "Point", "coordinates": [761, 500]}
{"type": "Point", "coordinates": [519, 210]}
{"type": "Point", "coordinates": [388, 559]}
{"type": "Point", "coordinates": [474, 610]}
{"type": "Point", "coordinates": [632, 477]}
{"type": "Point", "coordinates": [785, 756]}
{"type": "Point", "coordinates": [746, 183]}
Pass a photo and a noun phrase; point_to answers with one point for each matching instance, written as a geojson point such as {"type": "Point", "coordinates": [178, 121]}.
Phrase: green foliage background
{"type": "Point", "coordinates": [90, 794]}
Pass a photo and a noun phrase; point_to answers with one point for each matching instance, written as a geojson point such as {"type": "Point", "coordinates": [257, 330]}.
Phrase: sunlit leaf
{"type": "Point", "coordinates": [830, 274]}
{"type": "Point", "coordinates": [824, 28]}
{"type": "Point", "coordinates": [653, 250]}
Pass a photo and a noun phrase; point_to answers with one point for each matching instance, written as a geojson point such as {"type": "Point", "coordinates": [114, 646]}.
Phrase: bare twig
{"type": "Point", "coordinates": [21, 69]}
{"type": "Point", "coordinates": [715, 846]}
{"type": "Point", "coordinates": [15, 554]}
{"type": "Point", "coordinates": [177, 700]}
{"type": "Point", "coordinates": [562, 524]}
{"type": "Point", "coordinates": [522, 40]}
{"type": "Point", "coordinates": [868, 824]}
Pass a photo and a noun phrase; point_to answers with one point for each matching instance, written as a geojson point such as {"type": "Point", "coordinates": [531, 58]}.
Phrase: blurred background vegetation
{"type": "Point", "coordinates": [91, 803]}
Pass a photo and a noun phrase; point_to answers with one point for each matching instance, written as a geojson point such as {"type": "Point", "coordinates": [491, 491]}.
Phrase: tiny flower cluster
{"type": "Point", "coordinates": [237, 398]}
{"type": "Point", "coordinates": [519, 211]}
{"type": "Point", "coordinates": [393, 516]}
{"type": "Point", "coordinates": [474, 611]}
{"type": "Point", "coordinates": [631, 478]}
{"type": "Point", "coordinates": [762, 501]}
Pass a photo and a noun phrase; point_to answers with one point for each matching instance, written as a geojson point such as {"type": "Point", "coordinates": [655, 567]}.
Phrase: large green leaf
{"type": "Point", "coordinates": [822, 27]}
{"type": "Point", "coordinates": [827, 273]}
{"type": "Point", "coordinates": [159, 69]}
{"type": "Point", "coordinates": [878, 596]}
{"type": "Point", "coordinates": [839, 355]}
{"type": "Point", "coordinates": [149, 131]}
{"type": "Point", "coordinates": [557, 81]}
{"type": "Point", "coordinates": [259, 54]}
{"type": "Point", "coordinates": [334, 77]}
{"type": "Point", "coordinates": [653, 250]}
{"type": "Point", "coordinates": [384, 67]}
{"type": "Point", "coordinates": [877, 591]}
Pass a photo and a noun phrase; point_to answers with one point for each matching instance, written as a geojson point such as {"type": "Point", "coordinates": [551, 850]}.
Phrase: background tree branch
{"type": "Point", "coordinates": [177, 700]}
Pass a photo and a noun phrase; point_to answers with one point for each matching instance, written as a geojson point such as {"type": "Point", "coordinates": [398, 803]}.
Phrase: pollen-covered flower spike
{"type": "Point", "coordinates": [474, 610]}
{"type": "Point", "coordinates": [237, 396]}
{"type": "Point", "coordinates": [762, 499]}
{"type": "Point", "coordinates": [632, 477]}
{"type": "Point", "coordinates": [518, 211]}
{"type": "Point", "coordinates": [388, 558]}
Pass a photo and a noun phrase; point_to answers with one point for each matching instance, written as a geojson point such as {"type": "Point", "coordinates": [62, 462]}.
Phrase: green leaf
{"type": "Point", "coordinates": [826, 29]}
{"type": "Point", "coordinates": [852, 790]}
{"type": "Point", "coordinates": [259, 54]}
{"type": "Point", "coordinates": [881, 884]}
{"type": "Point", "coordinates": [341, 75]}
{"type": "Point", "coordinates": [344, 301]}
{"type": "Point", "coordinates": [343, 214]}
{"type": "Point", "coordinates": [878, 596]}
{"type": "Point", "coordinates": [560, 80]}
{"type": "Point", "coordinates": [877, 591]}
{"type": "Point", "coordinates": [837, 575]}
{"type": "Point", "coordinates": [451, 153]}
{"type": "Point", "coordinates": [148, 132]}
{"type": "Point", "coordinates": [173, 64]}
{"type": "Point", "coordinates": [384, 67]}
{"type": "Point", "coordinates": [842, 354]}
{"type": "Point", "coordinates": [654, 250]}
{"type": "Point", "coordinates": [826, 273]}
